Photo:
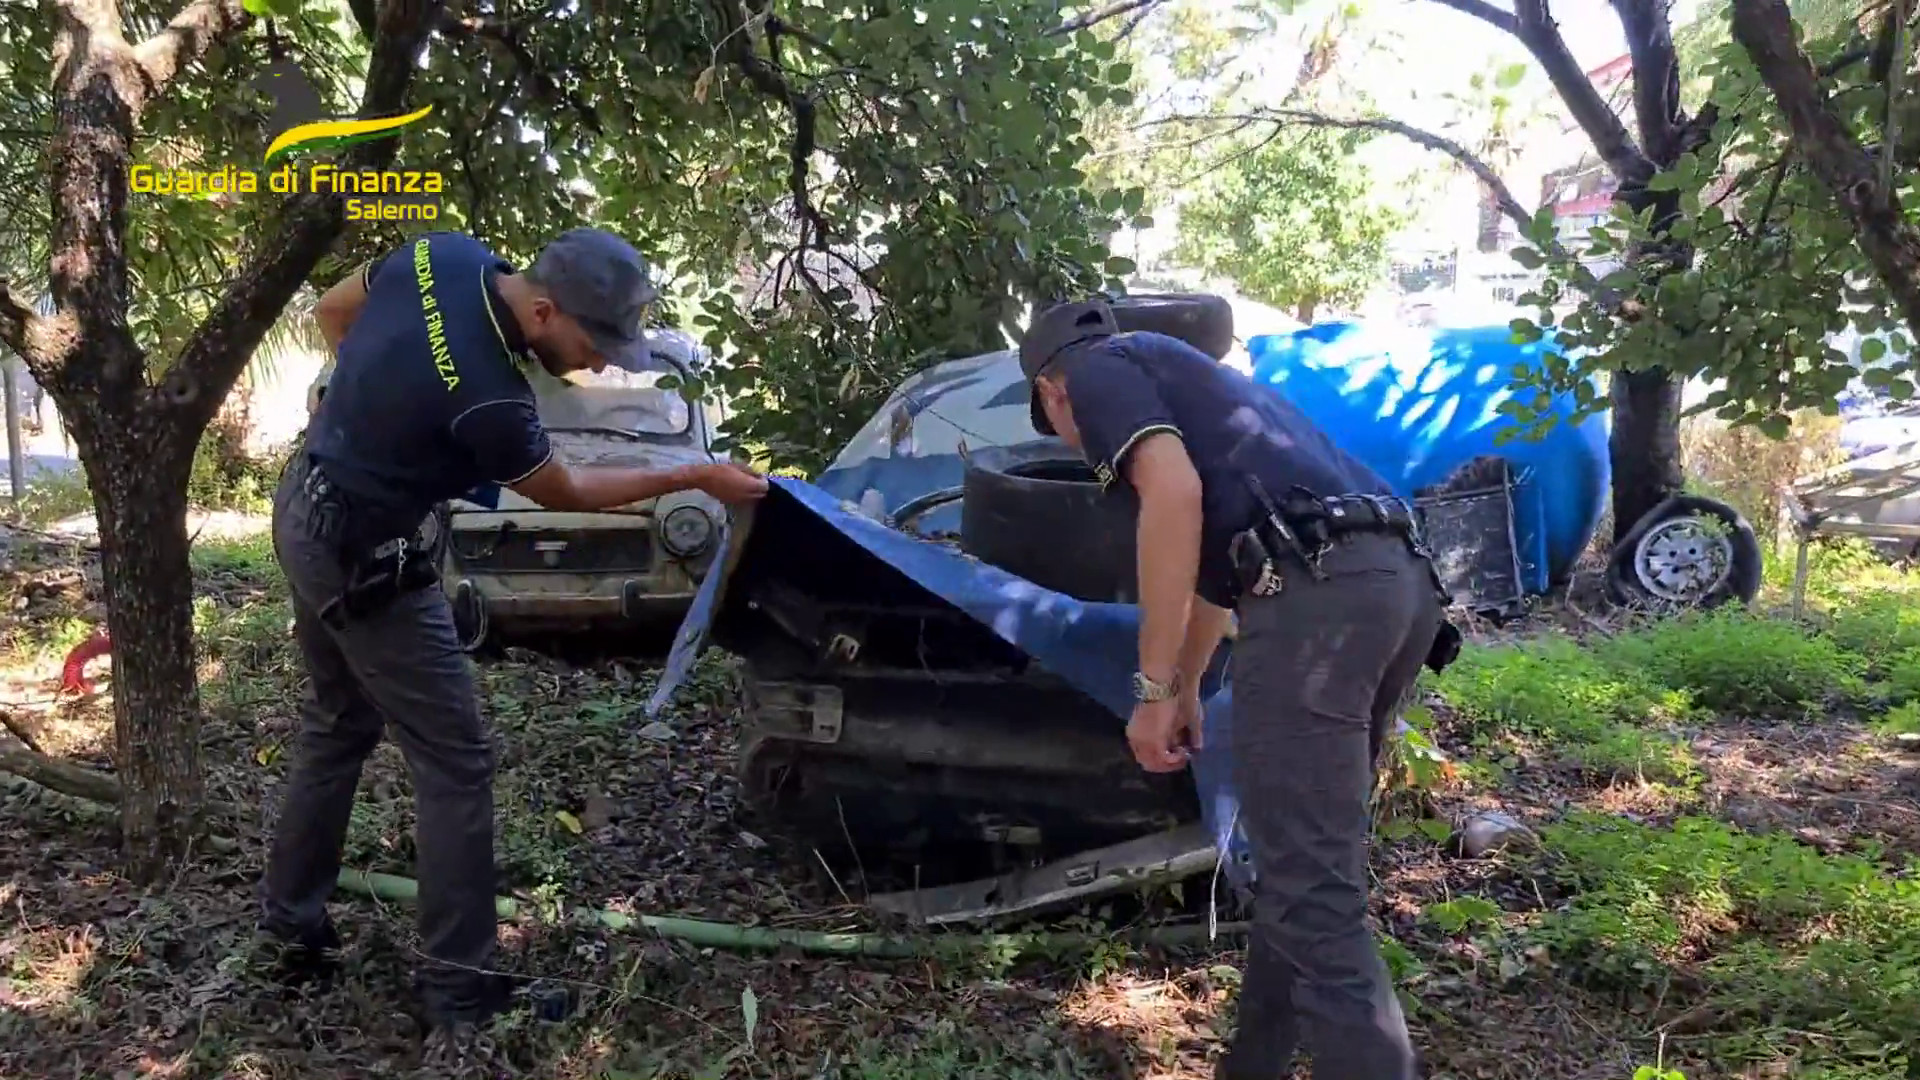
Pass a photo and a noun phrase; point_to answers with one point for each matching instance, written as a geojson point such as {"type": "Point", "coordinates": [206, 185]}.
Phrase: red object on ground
{"type": "Point", "coordinates": [73, 673]}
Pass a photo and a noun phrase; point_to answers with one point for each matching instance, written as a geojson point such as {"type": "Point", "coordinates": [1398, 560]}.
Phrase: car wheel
{"type": "Point", "coordinates": [1689, 552]}
{"type": "Point", "coordinates": [1050, 522]}
{"type": "Point", "coordinates": [1201, 320]}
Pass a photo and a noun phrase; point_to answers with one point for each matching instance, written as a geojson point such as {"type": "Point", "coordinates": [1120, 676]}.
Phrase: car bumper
{"type": "Point", "coordinates": [539, 598]}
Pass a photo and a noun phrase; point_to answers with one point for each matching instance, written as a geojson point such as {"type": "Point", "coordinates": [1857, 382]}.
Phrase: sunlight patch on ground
{"type": "Point", "coordinates": [1171, 1022]}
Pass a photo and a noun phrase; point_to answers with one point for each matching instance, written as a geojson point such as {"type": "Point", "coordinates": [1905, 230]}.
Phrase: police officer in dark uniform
{"type": "Point", "coordinates": [1245, 506]}
{"type": "Point", "coordinates": [428, 402]}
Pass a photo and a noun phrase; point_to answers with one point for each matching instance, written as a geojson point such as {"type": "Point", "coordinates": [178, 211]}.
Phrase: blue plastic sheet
{"type": "Point", "coordinates": [1092, 646]}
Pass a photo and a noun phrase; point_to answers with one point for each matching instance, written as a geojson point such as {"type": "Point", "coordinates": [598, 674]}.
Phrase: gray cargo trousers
{"type": "Point", "coordinates": [401, 669]}
{"type": "Point", "coordinates": [1319, 672]}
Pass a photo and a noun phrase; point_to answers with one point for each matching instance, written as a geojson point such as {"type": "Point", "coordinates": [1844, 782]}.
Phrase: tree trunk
{"type": "Point", "coordinates": [138, 473]}
{"type": "Point", "coordinates": [1645, 444]}
{"type": "Point", "coordinates": [1303, 309]}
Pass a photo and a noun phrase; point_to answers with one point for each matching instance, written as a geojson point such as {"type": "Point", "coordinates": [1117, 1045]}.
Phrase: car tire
{"type": "Point", "coordinates": [1199, 319]}
{"type": "Point", "coordinates": [1049, 521]}
{"type": "Point", "coordinates": [1688, 552]}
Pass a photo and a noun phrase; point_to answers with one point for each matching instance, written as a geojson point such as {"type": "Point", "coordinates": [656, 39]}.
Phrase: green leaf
{"type": "Point", "coordinates": [1510, 76]}
{"type": "Point", "coordinates": [1120, 266]}
{"type": "Point", "coordinates": [1872, 349]}
{"type": "Point", "coordinates": [1529, 258]}
{"type": "Point", "coordinates": [1664, 181]}
{"type": "Point", "coordinates": [749, 1012]}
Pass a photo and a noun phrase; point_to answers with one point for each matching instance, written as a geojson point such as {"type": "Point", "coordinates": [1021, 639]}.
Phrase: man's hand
{"type": "Point", "coordinates": [732, 484]}
{"type": "Point", "coordinates": [1163, 734]}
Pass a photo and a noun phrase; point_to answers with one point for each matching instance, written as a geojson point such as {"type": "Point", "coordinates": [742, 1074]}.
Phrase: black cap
{"type": "Point", "coordinates": [603, 284]}
{"type": "Point", "coordinates": [1052, 332]}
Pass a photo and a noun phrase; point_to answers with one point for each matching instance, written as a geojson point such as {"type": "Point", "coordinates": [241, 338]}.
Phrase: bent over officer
{"type": "Point", "coordinates": [1244, 502]}
{"type": "Point", "coordinates": [427, 402]}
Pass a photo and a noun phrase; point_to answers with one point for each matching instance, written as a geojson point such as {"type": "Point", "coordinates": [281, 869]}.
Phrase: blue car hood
{"type": "Point", "coordinates": [1092, 646]}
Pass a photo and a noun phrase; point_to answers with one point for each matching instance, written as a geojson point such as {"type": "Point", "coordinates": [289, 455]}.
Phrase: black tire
{"type": "Point", "coordinates": [1675, 524]}
{"type": "Point", "coordinates": [1199, 319]}
{"type": "Point", "coordinates": [1048, 520]}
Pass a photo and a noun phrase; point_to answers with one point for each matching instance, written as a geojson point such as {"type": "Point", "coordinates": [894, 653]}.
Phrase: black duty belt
{"type": "Point", "coordinates": [376, 574]}
{"type": "Point", "coordinates": [1299, 529]}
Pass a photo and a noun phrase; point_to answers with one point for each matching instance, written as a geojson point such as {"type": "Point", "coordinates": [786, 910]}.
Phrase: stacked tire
{"type": "Point", "coordinates": [1045, 517]}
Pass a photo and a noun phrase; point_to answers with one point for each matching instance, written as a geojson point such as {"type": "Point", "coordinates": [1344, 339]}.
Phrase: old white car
{"type": "Point", "coordinates": [517, 567]}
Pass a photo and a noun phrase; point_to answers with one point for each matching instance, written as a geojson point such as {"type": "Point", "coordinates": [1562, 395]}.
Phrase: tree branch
{"type": "Point", "coordinates": [1100, 15]}
{"type": "Point", "coordinates": [736, 46]}
{"type": "Point", "coordinates": [1532, 24]}
{"type": "Point", "coordinates": [309, 223]}
{"type": "Point", "coordinates": [187, 38]}
{"type": "Point", "coordinates": [1656, 77]}
{"type": "Point", "coordinates": [1467, 159]}
{"type": "Point", "coordinates": [62, 776]}
{"type": "Point", "coordinates": [1765, 29]}
{"type": "Point", "coordinates": [1503, 21]}
{"type": "Point", "coordinates": [512, 40]}
{"type": "Point", "coordinates": [17, 323]}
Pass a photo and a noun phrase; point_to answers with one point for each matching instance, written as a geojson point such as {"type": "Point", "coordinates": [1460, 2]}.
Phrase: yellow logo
{"type": "Point", "coordinates": [299, 117]}
{"type": "Point", "coordinates": [334, 134]}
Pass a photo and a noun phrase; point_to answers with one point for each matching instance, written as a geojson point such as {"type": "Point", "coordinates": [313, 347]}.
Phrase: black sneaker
{"type": "Point", "coordinates": [461, 1049]}
{"type": "Point", "coordinates": [302, 957]}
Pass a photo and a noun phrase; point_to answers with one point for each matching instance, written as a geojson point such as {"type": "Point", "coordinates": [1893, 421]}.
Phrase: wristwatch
{"type": "Point", "coordinates": [1147, 690]}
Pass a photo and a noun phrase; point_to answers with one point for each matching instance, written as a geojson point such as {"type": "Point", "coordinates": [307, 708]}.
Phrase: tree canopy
{"type": "Point", "coordinates": [1776, 277]}
{"type": "Point", "coordinates": [1291, 220]}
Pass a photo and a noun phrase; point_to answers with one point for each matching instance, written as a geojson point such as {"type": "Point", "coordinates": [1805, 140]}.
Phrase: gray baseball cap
{"type": "Point", "coordinates": [1051, 333]}
{"type": "Point", "coordinates": [604, 285]}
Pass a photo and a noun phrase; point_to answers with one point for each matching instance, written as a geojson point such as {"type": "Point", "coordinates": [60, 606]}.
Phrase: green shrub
{"type": "Point", "coordinates": [1554, 693]}
{"type": "Point", "coordinates": [1732, 662]}
{"type": "Point", "coordinates": [1551, 688]}
{"type": "Point", "coordinates": [1775, 932]}
{"type": "Point", "coordinates": [1900, 677]}
{"type": "Point", "coordinates": [1903, 719]}
{"type": "Point", "coordinates": [1624, 752]}
{"type": "Point", "coordinates": [1882, 625]}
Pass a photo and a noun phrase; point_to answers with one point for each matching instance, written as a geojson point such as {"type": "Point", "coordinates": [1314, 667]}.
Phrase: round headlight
{"type": "Point", "coordinates": [686, 531]}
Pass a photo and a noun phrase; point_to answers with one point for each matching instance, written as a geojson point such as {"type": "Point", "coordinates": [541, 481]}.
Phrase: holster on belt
{"type": "Point", "coordinates": [1304, 525]}
{"type": "Point", "coordinates": [376, 574]}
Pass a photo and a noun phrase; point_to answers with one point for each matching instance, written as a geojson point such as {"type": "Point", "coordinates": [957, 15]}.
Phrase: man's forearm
{"type": "Point", "coordinates": [1169, 558]}
{"type": "Point", "coordinates": [339, 306]}
{"type": "Point", "coordinates": [1206, 625]}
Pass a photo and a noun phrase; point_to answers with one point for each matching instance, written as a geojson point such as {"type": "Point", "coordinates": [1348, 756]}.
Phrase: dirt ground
{"type": "Point", "coordinates": [100, 978]}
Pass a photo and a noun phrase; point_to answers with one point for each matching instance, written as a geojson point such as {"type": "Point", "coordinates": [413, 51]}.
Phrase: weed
{"type": "Point", "coordinates": [50, 497]}
{"type": "Point", "coordinates": [1462, 913]}
{"type": "Point", "coordinates": [1902, 719]}
{"type": "Point", "coordinates": [1879, 624]}
{"type": "Point", "coordinates": [1551, 692]}
{"type": "Point", "coordinates": [1773, 932]}
{"type": "Point", "coordinates": [1735, 663]}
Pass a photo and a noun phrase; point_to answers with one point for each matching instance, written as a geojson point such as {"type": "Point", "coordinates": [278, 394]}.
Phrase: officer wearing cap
{"type": "Point", "coordinates": [428, 401]}
{"type": "Point", "coordinates": [1246, 507]}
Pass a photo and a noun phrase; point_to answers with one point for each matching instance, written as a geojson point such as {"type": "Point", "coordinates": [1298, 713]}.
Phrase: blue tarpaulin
{"type": "Point", "coordinates": [1092, 646]}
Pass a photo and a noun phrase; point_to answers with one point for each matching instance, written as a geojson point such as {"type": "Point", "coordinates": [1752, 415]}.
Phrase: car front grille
{"type": "Point", "coordinates": [514, 550]}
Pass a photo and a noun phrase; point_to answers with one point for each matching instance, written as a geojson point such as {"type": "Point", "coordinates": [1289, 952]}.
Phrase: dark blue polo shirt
{"type": "Point", "coordinates": [427, 399]}
{"type": "Point", "coordinates": [1127, 387]}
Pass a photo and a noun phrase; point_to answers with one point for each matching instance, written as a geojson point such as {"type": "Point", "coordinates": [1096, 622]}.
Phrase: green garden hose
{"type": "Point", "coordinates": [401, 890]}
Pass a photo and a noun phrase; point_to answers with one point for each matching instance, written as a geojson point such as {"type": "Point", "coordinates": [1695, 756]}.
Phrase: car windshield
{"type": "Point", "coordinates": [630, 402]}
